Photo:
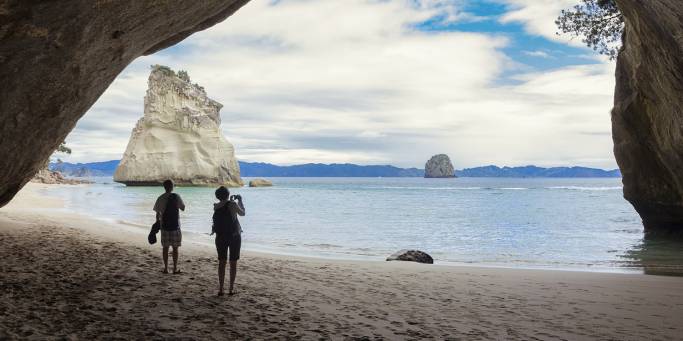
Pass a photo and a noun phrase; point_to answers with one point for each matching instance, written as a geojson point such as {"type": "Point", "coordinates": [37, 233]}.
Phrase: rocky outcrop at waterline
{"type": "Point", "coordinates": [260, 183]}
{"type": "Point", "coordinates": [439, 166]}
{"type": "Point", "coordinates": [647, 119]}
{"type": "Point", "coordinates": [46, 176]}
{"type": "Point", "coordinates": [58, 57]}
{"type": "Point", "coordinates": [179, 137]}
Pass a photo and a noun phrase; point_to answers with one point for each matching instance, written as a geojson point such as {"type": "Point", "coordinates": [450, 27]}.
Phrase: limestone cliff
{"type": "Point", "coordinates": [647, 119]}
{"type": "Point", "coordinates": [439, 166]}
{"type": "Point", "coordinates": [178, 138]}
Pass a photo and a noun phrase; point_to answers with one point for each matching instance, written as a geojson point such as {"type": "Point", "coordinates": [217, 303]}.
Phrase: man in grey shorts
{"type": "Point", "coordinates": [166, 207]}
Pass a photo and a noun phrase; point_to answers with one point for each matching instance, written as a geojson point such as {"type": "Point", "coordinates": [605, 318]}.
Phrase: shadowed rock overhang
{"type": "Point", "coordinates": [58, 57]}
{"type": "Point", "coordinates": [647, 119]}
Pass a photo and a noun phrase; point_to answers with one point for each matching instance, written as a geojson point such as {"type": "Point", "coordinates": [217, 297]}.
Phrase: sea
{"type": "Point", "coordinates": [577, 224]}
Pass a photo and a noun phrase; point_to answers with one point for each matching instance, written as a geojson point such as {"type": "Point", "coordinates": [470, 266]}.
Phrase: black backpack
{"type": "Point", "coordinates": [224, 223]}
{"type": "Point", "coordinates": [171, 215]}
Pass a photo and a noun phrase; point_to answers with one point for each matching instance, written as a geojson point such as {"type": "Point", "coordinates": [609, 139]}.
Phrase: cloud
{"type": "Point", "coordinates": [538, 53]}
{"type": "Point", "coordinates": [537, 16]}
{"type": "Point", "coordinates": [354, 81]}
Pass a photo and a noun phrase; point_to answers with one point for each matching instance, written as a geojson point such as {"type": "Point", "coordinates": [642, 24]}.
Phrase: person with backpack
{"type": "Point", "coordinates": [166, 208]}
{"type": "Point", "coordinates": [228, 232]}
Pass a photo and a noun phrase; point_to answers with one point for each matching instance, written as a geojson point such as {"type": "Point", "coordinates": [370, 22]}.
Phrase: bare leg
{"type": "Point", "coordinates": [233, 273]}
{"type": "Point", "coordinates": [221, 275]}
{"type": "Point", "coordinates": [175, 259]}
{"type": "Point", "coordinates": [164, 253]}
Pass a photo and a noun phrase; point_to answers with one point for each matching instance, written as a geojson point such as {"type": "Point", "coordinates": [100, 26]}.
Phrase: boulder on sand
{"type": "Point", "coordinates": [412, 256]}
{"type": "Point", "coordinates": [260, 183]}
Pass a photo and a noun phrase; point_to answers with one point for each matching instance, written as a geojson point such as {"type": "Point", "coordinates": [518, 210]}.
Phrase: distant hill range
{"type": "Point", "coordinates": [323, 170]}
{"type": "Point", "coordinates": [259, 169]}
{"type": "Point", "coordinates": [537, 172]}
{"type": "Point", "coordinates": [105, 168]}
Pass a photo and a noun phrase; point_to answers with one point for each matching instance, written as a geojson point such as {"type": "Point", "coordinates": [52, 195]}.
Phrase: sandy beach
{"type": "Point", "coordinates": [69, 276]}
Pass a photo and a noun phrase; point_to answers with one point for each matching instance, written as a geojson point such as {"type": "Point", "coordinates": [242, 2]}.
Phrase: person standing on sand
{"type": "Point", "coordinates": [228, 232]}
{"type": "Point", "coordinates": [166, 207]}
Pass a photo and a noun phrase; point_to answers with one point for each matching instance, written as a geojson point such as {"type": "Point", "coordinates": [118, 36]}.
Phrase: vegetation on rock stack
{"type": "Point", "coordinates": [165, 70]}
{"type": "Point", "coordinates": [182, 74]}
{"type": "Point", "coordinates": [598, 23]}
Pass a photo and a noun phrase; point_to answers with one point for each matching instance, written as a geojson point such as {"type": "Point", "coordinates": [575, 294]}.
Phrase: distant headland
{"type": "Point", "coordinates": [260, 169]}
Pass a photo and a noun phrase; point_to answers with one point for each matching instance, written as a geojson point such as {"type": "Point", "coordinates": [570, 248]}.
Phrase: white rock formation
{"type": "Point", "coordinates": [439, 166]}
{"type": "Point", "coordinates": [178, 138]}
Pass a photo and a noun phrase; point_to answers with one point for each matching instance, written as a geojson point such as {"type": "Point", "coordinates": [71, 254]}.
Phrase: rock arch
{"type": "Point", "coordinates": [58, 57]}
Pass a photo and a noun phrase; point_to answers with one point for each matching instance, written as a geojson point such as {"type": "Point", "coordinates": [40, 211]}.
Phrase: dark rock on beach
{"type": "Point", "coordinates": [412, 256]}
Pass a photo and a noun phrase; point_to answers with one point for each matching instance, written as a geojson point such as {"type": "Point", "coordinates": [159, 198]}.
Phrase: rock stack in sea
{"type": "Point", "coordinates": [439, 166]}
{"type": "Point", "coordinates": [179, 137]}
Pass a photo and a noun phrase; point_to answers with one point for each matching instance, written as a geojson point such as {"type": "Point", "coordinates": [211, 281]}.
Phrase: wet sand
{"type": "Point", "coordinates": [69, 276]}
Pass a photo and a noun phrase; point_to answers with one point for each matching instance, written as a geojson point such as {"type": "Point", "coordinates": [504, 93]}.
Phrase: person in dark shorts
{"type": "Point", "coordinates": [166, 207]}
{"type": "Point", "coordinates": [228, 232]}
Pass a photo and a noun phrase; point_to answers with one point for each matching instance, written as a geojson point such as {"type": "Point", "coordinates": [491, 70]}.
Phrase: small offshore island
{"type": "Point", "coordinates": [178, 138]}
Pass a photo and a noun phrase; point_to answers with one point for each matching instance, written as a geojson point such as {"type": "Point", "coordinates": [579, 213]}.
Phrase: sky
{"type": "Point", "coordinates": [383, 82]}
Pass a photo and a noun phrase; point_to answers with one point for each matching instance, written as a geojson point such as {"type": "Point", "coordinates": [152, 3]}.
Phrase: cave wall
{"type": "Point", "coordinates": [647, 118]}
{"type": "Point", "coordinates": [58, 57]}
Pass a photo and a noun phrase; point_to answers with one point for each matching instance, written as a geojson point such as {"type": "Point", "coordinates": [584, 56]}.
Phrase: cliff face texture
{"type": "Point", "coordinates": [178, 138]}
{"type": "Point", "coordinates": [647, 119]}
{"type": "Point", "coordinates": [58, 57]}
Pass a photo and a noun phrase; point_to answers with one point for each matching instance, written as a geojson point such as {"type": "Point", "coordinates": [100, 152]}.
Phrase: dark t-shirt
{"type": "Point", "coordinates": [169, 220]}
{"type": "Point", "coordinates": [224, 222]}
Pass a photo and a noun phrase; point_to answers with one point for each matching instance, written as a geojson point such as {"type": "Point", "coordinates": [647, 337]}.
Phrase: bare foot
{"type": "Point", "coordinates": [176, 272]}
{"type": "Point", "coordinates": [164, 271]}
{"type": "Point", "coordinates": [220, 293]}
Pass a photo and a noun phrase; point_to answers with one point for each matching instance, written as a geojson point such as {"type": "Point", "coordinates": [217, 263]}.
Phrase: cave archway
{"type": "Point", "coordinates": [57, 58]}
